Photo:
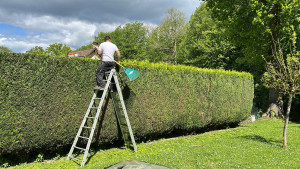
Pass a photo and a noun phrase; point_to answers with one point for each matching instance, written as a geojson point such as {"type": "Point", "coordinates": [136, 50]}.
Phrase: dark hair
{"type": "Point", "coordinates": [106, 38]}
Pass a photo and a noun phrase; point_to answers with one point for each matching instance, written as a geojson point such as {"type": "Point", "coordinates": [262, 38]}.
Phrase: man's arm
{"type": "Point", "coordinates": [119, 56]}
{"type": "Point", "coordinates": [99, 52]}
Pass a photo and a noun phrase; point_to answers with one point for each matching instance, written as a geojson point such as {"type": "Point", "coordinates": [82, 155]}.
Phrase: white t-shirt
{"type": "Point", "coordinates": [108, 50]}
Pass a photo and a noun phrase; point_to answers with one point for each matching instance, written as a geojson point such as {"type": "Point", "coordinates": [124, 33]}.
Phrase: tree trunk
{"type": "Point", "coordinates": [175, 52]}
{"type": "Point", "coordinates": [287, 116]}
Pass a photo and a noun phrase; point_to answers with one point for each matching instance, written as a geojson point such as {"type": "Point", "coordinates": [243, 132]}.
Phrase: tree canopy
{"type": "Point", "coordinates": [37, 50]}
{"type": "Point", "coordinates": [205, 44]}
{"type": "Point", "coordinates": [170, 30]}
{"type": "Point", "coordinates": [58, 49]}
{"type": "Point", "coordinates": [130, 39]}
{"type": "Point", "coordinates": [252, 24]}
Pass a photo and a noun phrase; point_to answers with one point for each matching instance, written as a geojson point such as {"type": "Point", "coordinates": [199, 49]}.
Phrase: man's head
{"type": "Point", "coordinates": [107, 38]}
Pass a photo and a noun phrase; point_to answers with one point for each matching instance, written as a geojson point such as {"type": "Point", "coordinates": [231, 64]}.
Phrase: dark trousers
{"type": "Point", "coordinates": [102, 68]}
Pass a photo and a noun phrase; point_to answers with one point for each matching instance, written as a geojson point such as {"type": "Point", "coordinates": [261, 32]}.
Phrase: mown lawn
{"type": "Point", "coordinates": [256, 145]}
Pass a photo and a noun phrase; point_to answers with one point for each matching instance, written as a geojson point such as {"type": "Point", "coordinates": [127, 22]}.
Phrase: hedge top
{"type": "Point", "coordinates": [165, 66]}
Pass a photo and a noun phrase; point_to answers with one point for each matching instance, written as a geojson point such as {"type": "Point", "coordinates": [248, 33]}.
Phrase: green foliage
{"type": "Point", "coordinates": [101, 35]}
{"type": "Point", "coordinates": [39, 159]}
{"type": "Point", "coordinates": [251, 25]}
{"type": "Point", "coordinates": [206, 45]}
{"type": "Point", "coordinates": [157, 52]}
{"type": "Point", "coordinates": [37, 50]}
{"type": "Point", "coordinates": [283, 74]}
{"type": "Point", "coordinates": [43, 100]}
{"type": "Point", "coordinates": [58, 49]}
{"type": "Point", "coordinates": [135, 41]}
{"type": "Point", "coordinates": [255, 145]}
{"type": "Point", "coordinates": [4, 49]}
{"type": "Point", "coordinates": [170, 30]}
{"type": "Point", "coordinates": [41, 97]}
{"type": "Point", "coordinates": [130, 40]}
{"type": "Point", "coordinates": [89, 46]}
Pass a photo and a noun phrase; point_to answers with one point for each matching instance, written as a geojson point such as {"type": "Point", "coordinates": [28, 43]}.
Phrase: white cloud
{"type": "Point", "coordinates": [19, 45]}
{"type": "Point", "coordinates": [2, 39]}
{"type": "Point", "coordinates": [48, 30]}
{"type": "Point", "coordinates": [75, 22]}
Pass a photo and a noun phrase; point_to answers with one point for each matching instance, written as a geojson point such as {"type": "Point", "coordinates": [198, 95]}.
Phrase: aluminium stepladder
{"type": "Point", "coordinates": [96, 105]}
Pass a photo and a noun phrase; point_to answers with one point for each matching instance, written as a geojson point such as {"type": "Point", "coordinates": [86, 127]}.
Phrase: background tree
{"type": "Point", "coordinates": [158, 51]}
{"type": "Point", "coordinates": [4, 49]}
{"type": "Point", "coordinates": [283, 74]}
{"type": "Point", "coordinates": [130, 39]}
{"type": "Point", "coordinates": [251, 24]}
{"type": "Point", "coordinates": [149, 42]}
{"type": "Point", "coordinates": [168, 33]}
{"type": "Point", "coordinates": [89, 46]}
{"type": "Point", "coordinates": [37, 50]}
{"type": "Point", "coordinates": [101, 35]}
{"type": "Point", "coordinates": [58, 49]}
{"type": "Point", "coordinates": [206, 45]}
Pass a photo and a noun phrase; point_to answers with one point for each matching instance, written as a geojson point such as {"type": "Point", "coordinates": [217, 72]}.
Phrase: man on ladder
{"type": "Point", "coordinates": [107, 49]}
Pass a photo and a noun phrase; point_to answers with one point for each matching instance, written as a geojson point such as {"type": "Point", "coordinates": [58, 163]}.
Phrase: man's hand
{"type": "Point", "coordinates": [119, 56]}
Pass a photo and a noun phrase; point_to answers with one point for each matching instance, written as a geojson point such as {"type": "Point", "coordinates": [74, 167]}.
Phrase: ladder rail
{"type": "Point", "coordinates": [117, 115]}
{"type": "Point", "coordinates": [125, 112]}
{"type": "Point", "coordinates": [116, 110]}
{"type": "Point", "coordinates": [81, 126]}
{"type": "Point", "coordinates": [96, 118]}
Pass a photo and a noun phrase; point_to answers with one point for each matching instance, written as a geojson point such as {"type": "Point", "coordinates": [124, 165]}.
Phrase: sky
{"type": "Point", "coordinates": [25, 24]}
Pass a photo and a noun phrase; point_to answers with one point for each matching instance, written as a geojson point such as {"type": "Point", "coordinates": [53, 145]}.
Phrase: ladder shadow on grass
{"type": "Point", "coordinates": [270, 141]}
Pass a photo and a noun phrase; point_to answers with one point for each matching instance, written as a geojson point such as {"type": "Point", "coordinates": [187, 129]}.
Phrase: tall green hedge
{"type": "Point", "coordinates": [43, 100]}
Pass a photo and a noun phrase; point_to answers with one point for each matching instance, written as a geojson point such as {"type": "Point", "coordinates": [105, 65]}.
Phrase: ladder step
{"type": "Point", "coordinates": [86, 127]}
{"type": "Point", "coordinates": [75, 158]}
{"type": "Point", "coordinates": [79, 148]}
{"type": "Point", "coordinates": [83, 137]}
{"type": "Point", "coordinates": [90, 117]}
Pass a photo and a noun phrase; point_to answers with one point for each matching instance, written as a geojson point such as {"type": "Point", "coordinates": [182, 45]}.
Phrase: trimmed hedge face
{"type": "Point", "coordinates": [43, 100]}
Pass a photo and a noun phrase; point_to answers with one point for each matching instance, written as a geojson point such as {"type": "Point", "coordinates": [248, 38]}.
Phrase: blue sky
{"type": "Point", "coordinates": [25, 24]}
{"type": "Point", "coordinates": [10, 30]}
